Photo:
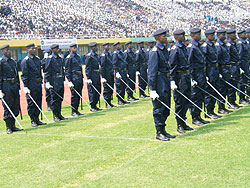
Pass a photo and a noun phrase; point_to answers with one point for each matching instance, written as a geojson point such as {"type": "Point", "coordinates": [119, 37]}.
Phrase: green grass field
{"type": "Point", "coordinates": [117, 148]}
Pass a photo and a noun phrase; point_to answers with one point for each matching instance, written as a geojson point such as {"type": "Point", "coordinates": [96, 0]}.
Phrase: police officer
{"type": "Point", "coordinates": [235, 62]}
{"type": "Point", "coordinates": [107, 72]}
{"type": "Point", "coordinates": [180, 79]}
{"type": "Point", "coordinates": [142, 67]}
{"type": "Point", "coordinates": [159, 83]}
{"type": "Point", "coordinates": [244, 63]}
{"type": "Point", "coordinates": [73, 72]}
{"type": "Point", "coordinates": [212, 71]}
{"type": "Point", "coordinates": [129, 57]}
{"type": "Point", "coordinates": [150, 47]}
{"type": "Point", "coordinates": [54, 77]}
{"type": "Point", "coordinates": [225, 68]}
{"type": "Point", "coordinates": [198, 74]}
{"type": "Point", "coordinates": [32, 79]}
{"type": "Point", "coordinates": [170, 45]}
{"type": "Point", "coordinates": [248, 39]}
{"type": "Point", "coordinates": [121, 71]}
{"type": "Point", "coordinates": [9, 88]}
{"type": "Point", "coordinates": [92, 72]}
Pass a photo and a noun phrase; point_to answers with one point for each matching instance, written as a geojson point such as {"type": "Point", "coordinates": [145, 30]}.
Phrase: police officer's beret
{"type": "Point", "coordinates": [150, 42]}
{"type": "Point", "coordinates": [92, 44]}
{"type": "Point", "coordinates": [73, 45]}
{"type": "Point", "coordinates": [221, 31]}
{"type": "Point", "coordinates": [30, 45]}
{"type": "Point", "coordinates": [231, 31]}
{"type": "Point", "coordinates": [241, 31]}
{"type": "Point", "coordinates": [209, 31]}
{"type": "Point", "coordinates": [53, 46]}
{"type": "Point", "coordinates": [179, 32]}
{"type": "Point", "coordinates": [195, 30]}
{"type": "Point", "coordinates": [129, 42]}
{"type": "Point", "coordinates": [105, 44]}
{"type": "Point", "coordinates": [248, 30]}
{"type": "Point", "coordinates": [160, 32]}
{"type": "Point", "coordinates": [117, 43]}
{"type": "Point", "coordinates": [4, 46]}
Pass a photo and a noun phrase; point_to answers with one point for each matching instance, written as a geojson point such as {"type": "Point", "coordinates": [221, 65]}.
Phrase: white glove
{"type": "Point", "coordinates": [207, 78]}
{"type": "Point", "coordinates": [103, 80]}
{"type": "Point", "coordinates": [193, 83]}
{"type": "Point", "coordinates": [220, 75]}
{"type": "Point", "coordinates": [1, 94]}
{"type": "Point", "coordinates": [64, 83]}
{"type": "Point", "coordinates": [70, 84]}
{"type": "Point", "coordinates": [173, 85]}
{"type": "Point", "coordinates": [26, 90]}
{"type": "Point", "coordinates": [127, 75]}
{"type": "Point", "coordinates": [137, 73]}
{"type": "Point", "coordinates": [19, 92]}
{"type": "Point", "coordinates": [48, 86]}
{"type": "Point", "coordinates": [154, 95]}
{"type": "Point", "coordinates": [89, 81]}
{"type": "Point", "coordinates": [241, 71]}
{"type": "Point", "coordinates": [117, 75]}
{"type": "Point", "coordinates": [42, 86]}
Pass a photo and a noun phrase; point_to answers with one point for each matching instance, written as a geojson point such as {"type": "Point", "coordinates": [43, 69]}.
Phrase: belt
{"type": "Point", "coordinates": [235, 63]}
{"type": "Point", "coordinates": [213, 65]}
{"type": "Point", "coordinates": [164, 73]}
{"type": "Point", "coordinates": [200, 70]}
{"type": "Point", "coordinates": [183, 72]}
{"type": "Point", "coordinates": [11, 80]}
{"type": "Point", "coordinates": [226, 66]}
{"type": "Point", "coordinates": [36, 80]}
{"type": "Point", "coordinates": [77, 72]}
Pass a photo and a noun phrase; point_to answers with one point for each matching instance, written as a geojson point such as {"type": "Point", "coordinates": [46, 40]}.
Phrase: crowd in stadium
{"type": "Point", "coordinates": [115, 18]}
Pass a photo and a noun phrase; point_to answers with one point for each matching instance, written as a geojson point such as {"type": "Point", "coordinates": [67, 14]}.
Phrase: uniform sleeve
{"type": "Point", "coordinates": [219, 53]}
{"type": "Point", "coordinates": [240, 50]}
{"type": "Point", "coordinates": [137, 59]}
{"type": "Point", "coordinates": [48, 70]}
{"type": "Point", "coordinates": [88, 69]}
{"type": "Point", "coordinates": [173, 60]}
{"type": "Point", "coordinates": [68, 71]}
{"type": "Point", "coordinates": [103, 62]}
{"type": "Point", "coordinates": [152, 69]}
{"type": "Point", "coordinates": [1, 76]}
{"type": "Point", "coordinates": [25, 73]}
{"type": "Point", "coordinates": [115, 62]}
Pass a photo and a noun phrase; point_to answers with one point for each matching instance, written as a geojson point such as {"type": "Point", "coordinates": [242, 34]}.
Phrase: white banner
{"type": "Point", "coordinates": [63, 43]}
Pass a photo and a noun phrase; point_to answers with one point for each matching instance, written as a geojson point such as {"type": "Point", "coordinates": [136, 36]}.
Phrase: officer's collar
{"type": "Point", "coordinates": [5, 58]}
{"type": "Point", "coordinates": [92, 52]}
{"type": "Point", "coordinates": [221, 42]}
{"type": "Point", "coordinates": [31, 56]}
{"type": "Point", "coordinates": [55, 55]}
{"type": "Point", "coordinates": [195, 42]}
{"type": "Point", "coordinates": [160, 45]}
{"type": "Point", "coordinates": [179, 44]}
{"type": "Point", "coordinates": [210, 43]}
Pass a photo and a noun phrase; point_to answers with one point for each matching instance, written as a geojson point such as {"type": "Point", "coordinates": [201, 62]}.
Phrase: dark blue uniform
{"type": "Point", "coordinates": [181, 75]}
{"type": "Point", "coordinates": [244, 64]}
{"type": "Point", "coordinates": [32, 79]}
{"type": "Point", "coordinates": [73, 72]}
{"type": "Point", "coordinates": [10, 86]}
{"type": "Point", "coordinates": [120, 66]}
{"type": "Point", "coordinates": [47, 94]}
{"type": "Point", "coordinates": [54, 74]}
{"type": "Point", "coordinates": [142, 67]}
{"type": "Point", "coordinates": [159, 81]}
{"type": "Point", "coordinates": [235, 62]}
{"type": "Point", "coordinates": [197, 67]}
{"type": "Point", "coordinates": [212, 72]}
{"type": "Point", "coordinates": [129, 57]}
{"type": "Point", "coordinates": [225, 69]}
{"type": "Point", "coordinates": [107, 72]}
{"type": "Point", "coordinates": [92, 72]}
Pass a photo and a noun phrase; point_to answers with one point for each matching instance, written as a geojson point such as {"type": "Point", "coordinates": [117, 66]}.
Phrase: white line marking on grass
{"type": "Point", "coordinates": [87, 136]}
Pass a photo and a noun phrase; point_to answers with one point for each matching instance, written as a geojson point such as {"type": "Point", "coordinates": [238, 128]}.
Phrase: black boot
{"type": "Point", "coordinates": [61, 117]}
{"type": "Point", "coordinates": [167, 134]}
{"type": "Point", "coordinates": [33, 122]}
{"type": "Point", "coordinates": [180, 129]}
{"type": "Point", "coordinates": [211, 114]}
{"type": "Point", "coordinates": [56, 117]}
{"type": "Point", "coordinates": [203, 121]}
{"type": "Point", "coordinates": [108, 104]}
{"type": "Point", "coordinates": [131, 98]}
{"type": "Point", "coordinates": [39, 122]}
{"type": "Point", "coordinates": [187, 128]}
{"type": "Point", "coordinates": [196, 121]}
{"type": "Point", "coordinates": [120, 102]}
{"type": "Point", "coordinates": [8, 126]}
{"type": "Point", "coordinates": [13, 126]}
{"type": "Point", "coordinates": [76, 113]}
{"type": "Point", "coordinates": [160, 134]}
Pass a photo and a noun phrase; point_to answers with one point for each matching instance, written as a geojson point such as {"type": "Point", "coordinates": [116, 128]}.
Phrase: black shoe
{"type": "Point", "coordinates": [93, 110]}
{"type": "Point", "coordinates": [180, 129]}
{"type": "Point", "coordinates": [234, 106]}
{"type": "Point", "coordinates": [15, 129]}
{"type": "Point", "coordinates": [222, 111]}
{"type": "Point", "coordinates": [126, 102]}
{"type": "Point", "coordinates": [111, 105]}
{"type": "Point", "coordinates": [38, 122]}
{"type": "Point", "coordinates": [56, 119]}
{"type": "Point", "coordinates": [197, 121]}
{"type": "Point", "coordinates": [212, 115]}
{"type": "Point", "coordinates": [9, 131]}
{"type": "Point", "coordinates": [142, 96]}
{"type": "Point", "coordinates": [229, 111]}
{"type": "Point", "coordinates": [187, 128]}
{"type": "Point", "coordinates": [108, 106]}
{"type": "Point", "coordinates": [61, 117]}
{"type": "Point", "coordinates": [34, 123]}
{"type": "Point", "coordinates": [120, 103]}
{"type": "Point", "coordinates": [243, 102]}
{"type": "Point", "coordinates": [204, 121]}
{"type": "Point", "coordinates": [160, 134]}
{"type": "Point", "coordinates": [98, 109]}
{"type": "Point", "coordinates": [145, 95]}
{"type": "Point", "coordinates": [131, 99]}
{"type": "Point", "coordinates": [79, 114]}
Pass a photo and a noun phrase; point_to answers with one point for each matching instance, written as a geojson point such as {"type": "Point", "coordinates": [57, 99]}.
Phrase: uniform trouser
{"type": "Point", "coordinates": [183, 83]}
{"type": "Point", "coordinates": [144, 75]}
{"type": "Point", "coordinates": [160, 112]}
{"type": "Point", "coordinates": [234, 81]}
{"type": "Point", "coordinates": [93, 95]}
{"type": "Point", "coordinates": [213, 78]}
{"type": "Point", "coordinates": [36, 94]}
{"type": "Point", "coordinates": [56, 101]}
{"type": "Point", "coordinates": [12, 98]}
{"type": "Point", "coordinates": [224, 87]}
{"type": "Point", "coordinates": [120, 86]}
{"type": "Point", "coordinates": [244, 79]}
{"type": "Point", "coordinates": [75, 98]}
{"type": "Point", "coordinates": [48, 96]}
{"type": "Point", "coordinates": [108, 92]}
{"type": "Point", "coordinates": [130, 83]}
{"type": "Point", "coordinates": [197, 96]}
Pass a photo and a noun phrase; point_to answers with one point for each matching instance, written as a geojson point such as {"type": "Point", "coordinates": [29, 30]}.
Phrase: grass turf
{"type": "Point", "coordinates": [117, 148]}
